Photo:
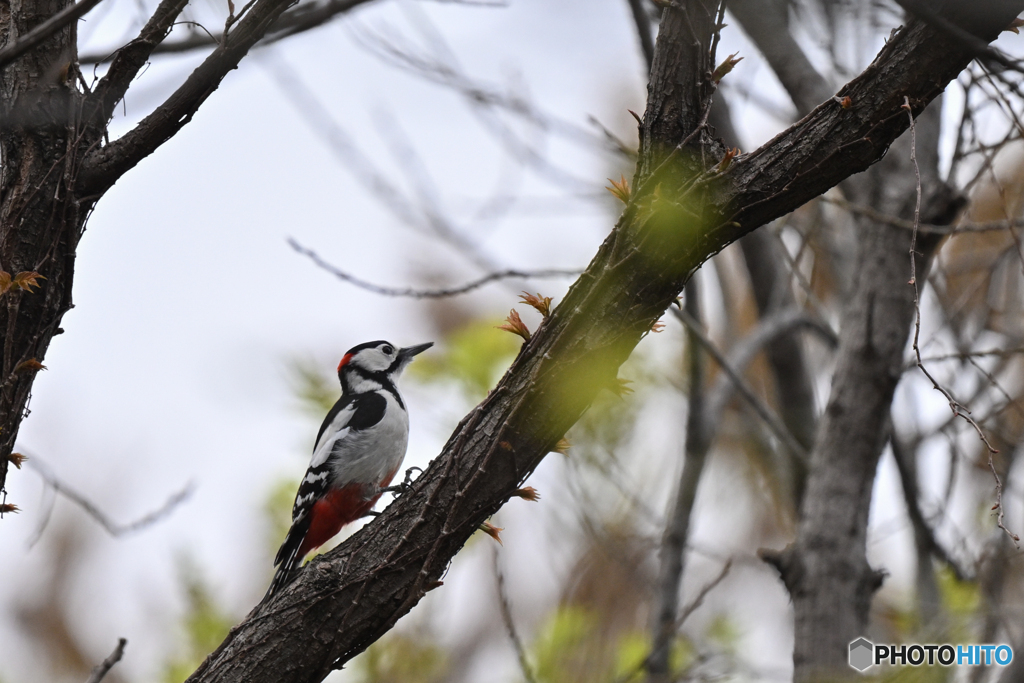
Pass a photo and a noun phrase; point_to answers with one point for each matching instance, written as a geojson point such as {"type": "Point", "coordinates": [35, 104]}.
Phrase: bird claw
{"type": "Point", "coordinates": [370, 513]}
{"type": "Point", "coordinates": [406, 483]}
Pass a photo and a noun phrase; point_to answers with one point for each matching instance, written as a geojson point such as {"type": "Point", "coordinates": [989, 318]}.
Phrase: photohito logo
{"type": "Point", "coordinates": [865, 654]}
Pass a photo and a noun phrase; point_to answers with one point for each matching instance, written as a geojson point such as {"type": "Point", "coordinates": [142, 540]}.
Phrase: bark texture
{"type": "Point", "coordinates": [347, 598]}
{"type": "Point", "coordinates": [41, 220]}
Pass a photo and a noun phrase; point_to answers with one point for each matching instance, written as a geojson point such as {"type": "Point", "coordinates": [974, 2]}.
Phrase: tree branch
{"type": "Point", "coordinates": [45, 30]}
{"type": "Point", "coordinates": [677, 525]}
{"type": "Point", "coordinates": [107, 664]}
{"type": "Point", "coordinates": [345, 599]}
{"type": "Point", "coordinates": [736, 381]}
{"type": "Point", "coordinates": [413, 293]}
{"type": "Point", "coordinates": [104, 166]}
{"type": "Point", "coordinates": [128, 60]}
{"type": "Point", "coordinates": [109, 525]}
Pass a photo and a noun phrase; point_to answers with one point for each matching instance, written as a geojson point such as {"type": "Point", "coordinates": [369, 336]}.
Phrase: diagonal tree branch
{"type": "Point", "coordinates": [101, 168]}
{"type": "Point", "coordinates": [344, 600]}
{"type": "Point", "coordinates": [130, 59]}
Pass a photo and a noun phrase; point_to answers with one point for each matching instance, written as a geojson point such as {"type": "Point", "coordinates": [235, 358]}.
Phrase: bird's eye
{"type": "Point", "coordinates": [388, 350]}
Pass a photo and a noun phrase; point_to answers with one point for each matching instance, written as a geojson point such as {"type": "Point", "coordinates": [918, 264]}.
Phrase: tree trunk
{"type": "Point", "coordinates": [41, 219]}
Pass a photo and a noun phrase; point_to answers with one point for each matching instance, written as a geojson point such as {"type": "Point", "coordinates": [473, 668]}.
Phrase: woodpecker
{"type": "Point", "coordinates": [360, 446]}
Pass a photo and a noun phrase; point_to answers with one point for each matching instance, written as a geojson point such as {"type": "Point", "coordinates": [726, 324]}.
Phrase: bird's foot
{"type": "Point", "coordinates": [406, 483]}
{"type": "Point", "coordinates": [370, 513]}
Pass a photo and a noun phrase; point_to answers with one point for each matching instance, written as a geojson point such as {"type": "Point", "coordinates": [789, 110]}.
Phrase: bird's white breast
{"type": "Point", "coordinates": [368, 456]}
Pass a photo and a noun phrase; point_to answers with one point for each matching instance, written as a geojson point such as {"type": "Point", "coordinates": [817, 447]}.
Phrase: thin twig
{"type": "Point", "coordinates": [958, 410]}
{"type": "Point", "coordinates": [413, 293]}
{"type": "Point", "coordinates": [924, 228]}
{"type": "Point", "coordinates": [689, 609]}
{"type": "Point", "coordinates": [772, 420]}
{"type": "Point", "coordinates": [692, 606]}
{"type": "Point", "coordinates": [911, 496]}
{"type": "Point", "coordinates": [677, 518]}
{"type": "Point", "coordinates": [967, 355]}
{"type": "Point", "coordinates": [510, 627]}
{"type": "Point", "coordinates": [110, 526]}
{"type": "Point", "coordinates": [107, 664]}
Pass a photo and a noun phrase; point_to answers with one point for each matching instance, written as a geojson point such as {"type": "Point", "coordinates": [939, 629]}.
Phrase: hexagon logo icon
{"type": "Point", "coordinates": [861, 654]}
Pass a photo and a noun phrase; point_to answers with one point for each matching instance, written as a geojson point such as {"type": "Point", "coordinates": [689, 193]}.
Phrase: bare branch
{"type": "Point", "coordinates": [46, 29]}
{"type": "Point", "coordinates": [413, 293]}
{"type": "Point", "coordinates": [677, 519]}
{"type": "Point", "coordinates": [299, 19]}
{"type": "Point", "coordinates": [769, 417]}
{"type": "Point", "coordinates": [110, 526]}
{"type": "Point", "coordinates": [925, 228]}
{"type": "Point", "coordinates": [956, 407]}
{"type": "Point", "coordinates": [911, 496]}
{"type": "Point", "coordinates": [698, 599]}
{"type": "Point", "coordinates": [506, 617]}
{"type": "Point", "coordinates": [129, 60]}
{"type": "Point", "coordinates": [102, 167]}
{"type": "Point", "coordinates": [107, 664]}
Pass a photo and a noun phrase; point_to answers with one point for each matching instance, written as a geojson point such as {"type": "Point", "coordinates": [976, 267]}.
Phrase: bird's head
{"type": "Point", "coordinates": [367, 366]}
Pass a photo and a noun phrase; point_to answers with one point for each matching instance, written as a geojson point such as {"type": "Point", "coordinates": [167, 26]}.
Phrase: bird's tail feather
{"type": "Point", "coordinates": [288, 558]}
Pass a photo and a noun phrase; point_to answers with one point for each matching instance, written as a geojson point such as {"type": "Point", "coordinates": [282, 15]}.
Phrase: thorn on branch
{"type": "Point", "coordinates": [786, 563]}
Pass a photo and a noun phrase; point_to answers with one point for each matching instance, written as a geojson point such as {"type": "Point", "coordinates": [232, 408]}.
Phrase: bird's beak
{"type": "Point", "coordinates": [408, 352]}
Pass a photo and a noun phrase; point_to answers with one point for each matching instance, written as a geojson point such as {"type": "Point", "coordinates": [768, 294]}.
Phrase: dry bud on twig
{"type": "Point", "coordinates": [492, 531]}
{"type": "Point", "coordinates": [515, 325]}
{"type": "Point", "coordinates": [620, 189]}
{"type": "Point", "coordinates": [541, 303]}
{"type": "Point", "coordinates": [727, 65]}
{"type": "Point", "coordinates": [527, 493]}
